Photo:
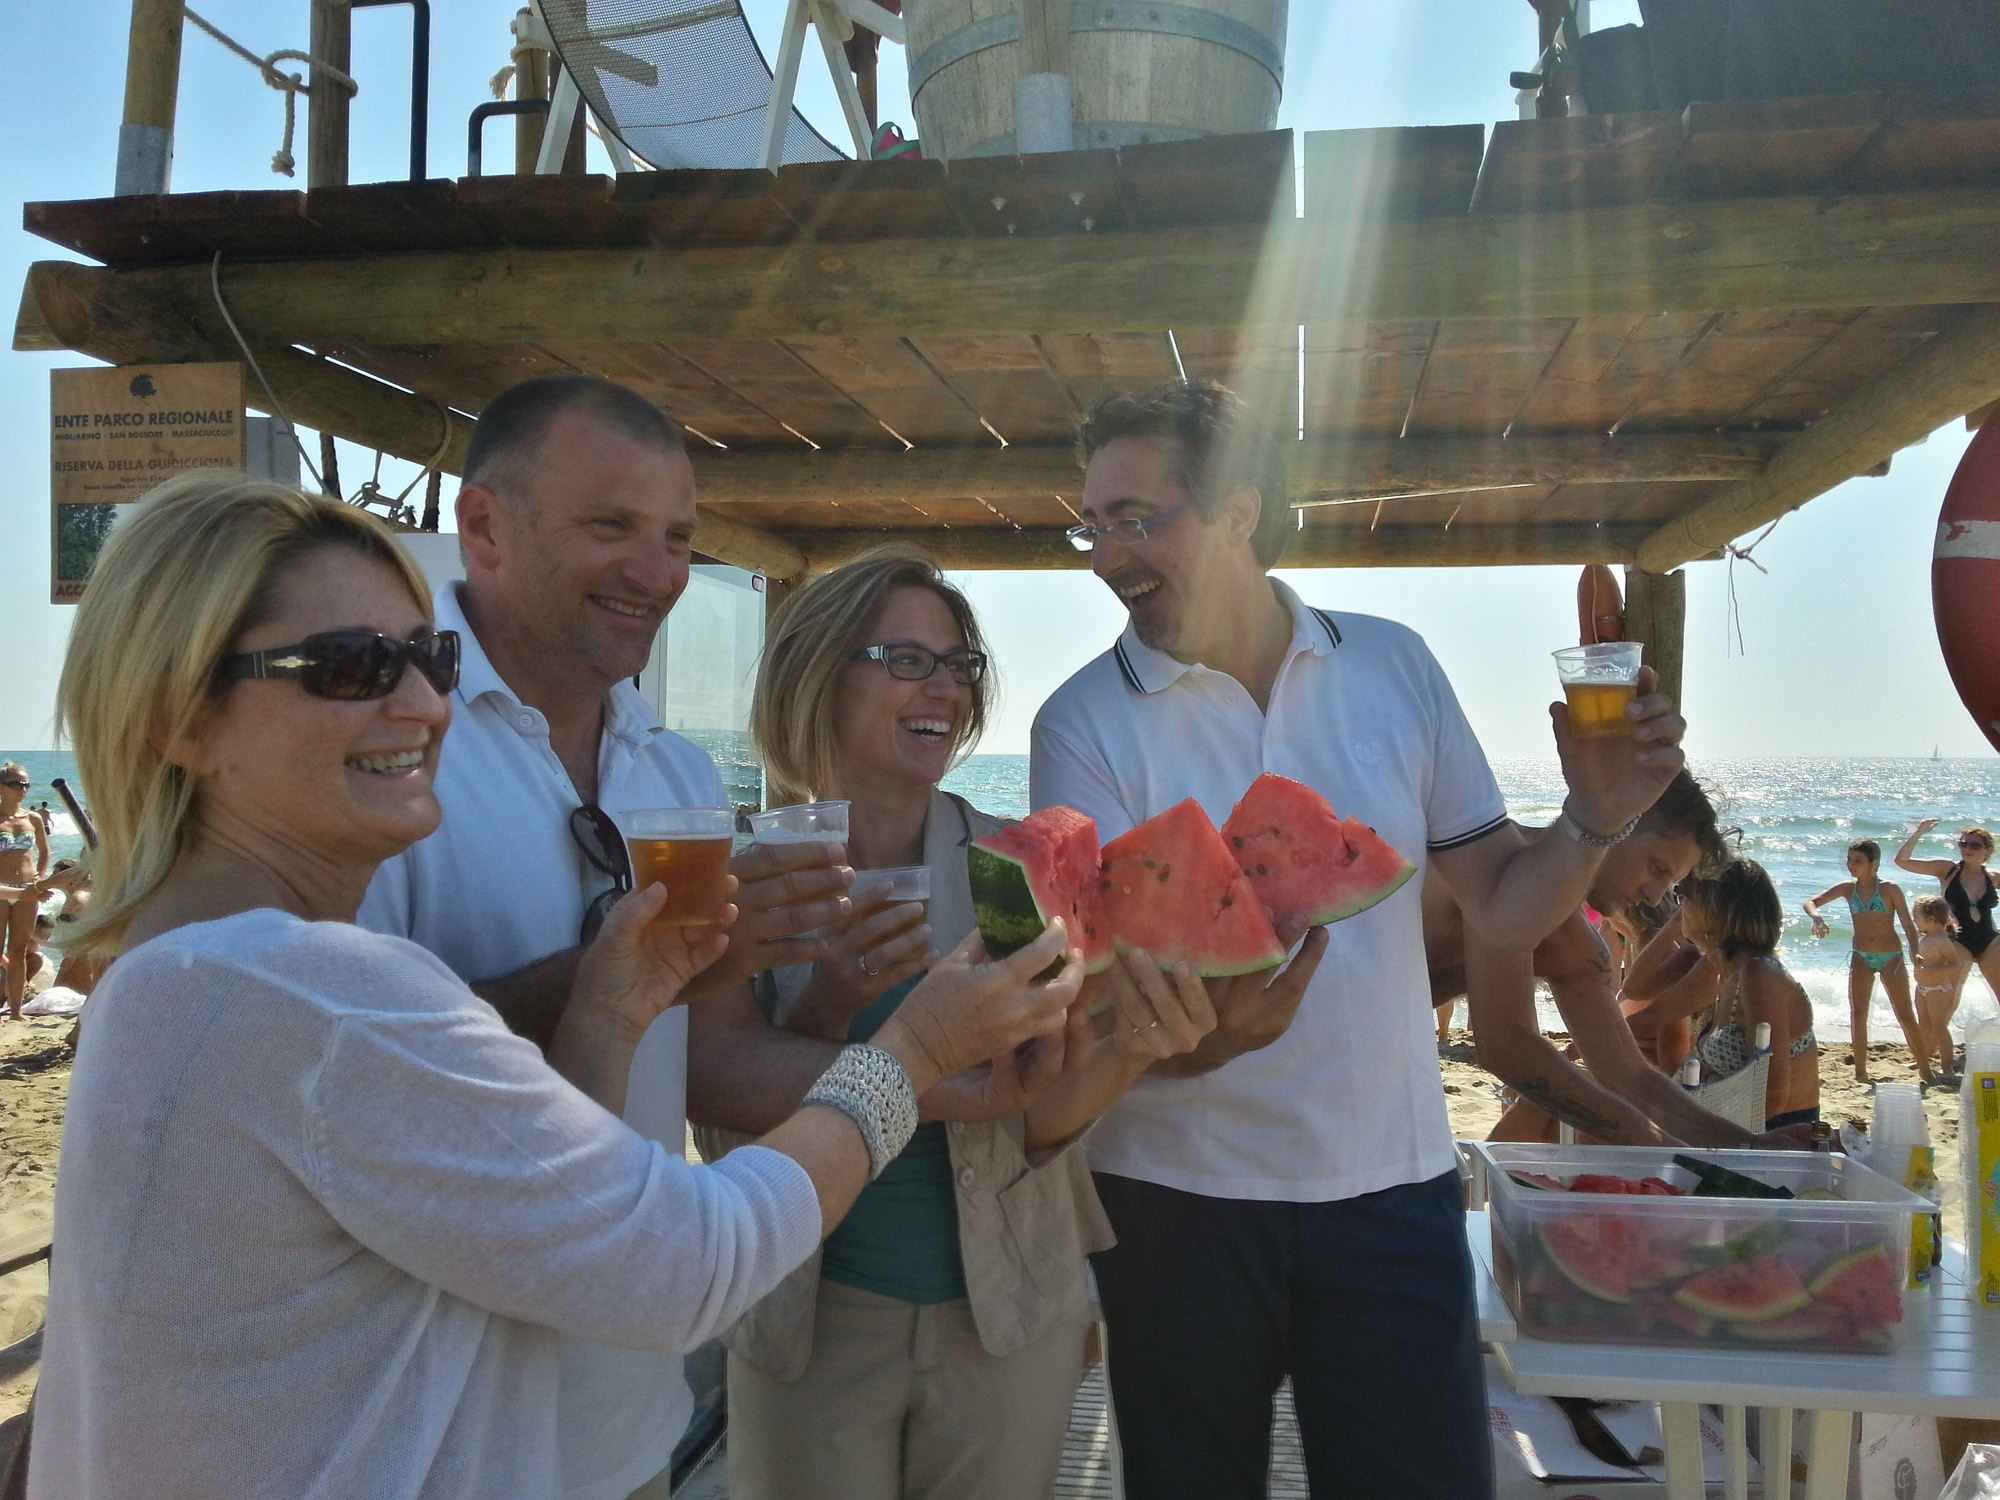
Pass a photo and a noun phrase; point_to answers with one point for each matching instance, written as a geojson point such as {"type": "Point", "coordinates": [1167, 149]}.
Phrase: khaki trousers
{"type": "Point", "coordinates": [900, 1402]}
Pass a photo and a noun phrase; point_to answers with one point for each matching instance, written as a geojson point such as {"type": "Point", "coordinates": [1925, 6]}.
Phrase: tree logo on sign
{"type": "Point", "coordinates": [142, 386]}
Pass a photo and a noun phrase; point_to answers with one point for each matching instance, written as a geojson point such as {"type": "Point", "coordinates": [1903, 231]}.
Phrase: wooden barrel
{"type": "Point", "coordinates": [1143, 70]}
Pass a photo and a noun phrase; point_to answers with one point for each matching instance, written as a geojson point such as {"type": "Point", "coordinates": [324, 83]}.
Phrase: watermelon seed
{"type": "Point", "coordinates": [1152, 864]}
{"type": "Point", "coordinates": [1237, 842]}
{"type": "Point", "coordinates": [1228, 901]}
{"type": "Point", "coordinates": [1262, 871]}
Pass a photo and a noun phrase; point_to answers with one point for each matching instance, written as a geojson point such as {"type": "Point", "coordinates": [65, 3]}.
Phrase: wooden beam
{"type": "Point", "coordinates": [1952, 374]}
{"type": "Point", "coordinates": [326, 107]}
{"type": "Point", "coordinates": [747, 546]}
{"type": "Point", "coordinates": [1319, 468]}
{"type": "Point", "coordinates": [1041, 548]}
{"type": "Point", "coordinates": [1879, 249]}
{"type": "Point", "coordinates": [1656, 614]}
{"type": "Point", "coordinates": [152, 94]}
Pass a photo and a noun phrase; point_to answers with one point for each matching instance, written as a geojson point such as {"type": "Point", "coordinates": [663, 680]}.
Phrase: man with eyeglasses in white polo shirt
{"type": "Point", "coordinates": [1285, 1197]}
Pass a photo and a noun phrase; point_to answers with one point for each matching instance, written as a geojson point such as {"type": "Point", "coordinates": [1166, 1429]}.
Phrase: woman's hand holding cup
{"type": "Point", "coordinates": [969, 1010]}
{"type": "Point", "coordinates": [868, 954]}
{"type": "Point", "coordinates": [635, 970]}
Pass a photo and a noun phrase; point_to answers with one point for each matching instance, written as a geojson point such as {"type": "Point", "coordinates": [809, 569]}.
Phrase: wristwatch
{"type": "Point", "coordinates": [1569, 825]}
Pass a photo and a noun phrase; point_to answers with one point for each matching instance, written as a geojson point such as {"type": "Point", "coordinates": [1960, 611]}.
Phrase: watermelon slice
{"type": "Point", "coordinates": [1862, 1286]}
{"type": "Point", "coordinates": [1170, 887]}
{"type": "Point", "coordinates": [1745, 1291]}
{"type": "Point", "coordinates": [1304, 860]}
{"type": "Point", "coordinates": [1030, 872]}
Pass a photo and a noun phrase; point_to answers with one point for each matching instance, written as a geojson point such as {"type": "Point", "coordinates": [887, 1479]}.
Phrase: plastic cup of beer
{"type": "Point", "coordinates": [686, 849]}
{"type": "Point", "coordinates": [874, 889]}
{"type": "Point", "coordinates": [801, 823]}
{"type": "Point", "coordinates": [1599, 681]}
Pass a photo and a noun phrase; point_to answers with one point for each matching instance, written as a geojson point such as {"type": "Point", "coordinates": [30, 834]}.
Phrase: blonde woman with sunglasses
{"type": "Point", "coordinates": [324, 1217]}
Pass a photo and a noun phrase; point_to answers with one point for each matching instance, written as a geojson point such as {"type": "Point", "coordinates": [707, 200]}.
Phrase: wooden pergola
{"type": "Point", "coordinates": [1619, 339]}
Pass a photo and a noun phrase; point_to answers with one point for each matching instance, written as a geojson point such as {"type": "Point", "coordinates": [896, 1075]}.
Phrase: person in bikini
{"type": "Point", "coordinates": [1735, 920]}
{"type": "Point", "coordinates": [24, 860]}
{"type": "Point", "coordinates": [1876, 905]}
{"type": "Point", "coordinates": [1968, 890]}
{"type": "Point", "coordinates": [1941, 966]}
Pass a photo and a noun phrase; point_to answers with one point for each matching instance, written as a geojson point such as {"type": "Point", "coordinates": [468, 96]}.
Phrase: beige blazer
{"type": "Point", "coordinates": [1022, 1231]}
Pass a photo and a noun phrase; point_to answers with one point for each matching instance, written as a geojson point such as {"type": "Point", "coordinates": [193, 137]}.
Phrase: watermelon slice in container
{"type": "Point", "coordinates": [1304, 860]}
{"type": "Point", "coordinates": [1170, 887]}
{"type": "Point", "coordinates": [1030, 872]}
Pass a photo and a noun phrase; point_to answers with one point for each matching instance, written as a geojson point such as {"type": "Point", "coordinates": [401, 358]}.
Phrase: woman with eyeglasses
{"type": "Point", "coordinates": [322, 1216]}
{"type": "Point", "coordinates": [933, 1347]}
{"type": "Point", "coordinates": [24, 860]}
{"type": "Point", "coordinates": [1968, 889]}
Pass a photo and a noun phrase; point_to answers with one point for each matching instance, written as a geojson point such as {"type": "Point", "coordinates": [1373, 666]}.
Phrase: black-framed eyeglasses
{"type": "Point", "coordinates": [604, 846]}
{"type": "Point", "coordinates": [908, 662]}
{"type": "Point", "coordinates": [1131, 530]}
{"type": "Point", "coordinates": [353, 664]}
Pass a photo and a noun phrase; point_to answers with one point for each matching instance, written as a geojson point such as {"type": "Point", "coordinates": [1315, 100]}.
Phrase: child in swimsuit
{"type": "Point", "coordinates": [1876, 906]}
{"type": "Point", "coordinates": [1941, 966]}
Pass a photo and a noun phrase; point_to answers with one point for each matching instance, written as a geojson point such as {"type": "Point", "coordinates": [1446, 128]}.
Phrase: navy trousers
{"type": "Point", "coordinates": [1367, 1303]}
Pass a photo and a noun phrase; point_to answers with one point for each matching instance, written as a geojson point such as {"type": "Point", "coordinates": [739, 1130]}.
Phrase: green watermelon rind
{"type": "Point", "coordinates": [1376, 898]}
{"type": "Point", "coordinates": [1002, 904]}
{"type": "Point", "coordinates": [1708, 1301]}
{"type": "Point", "coordinates": [1272, 803]}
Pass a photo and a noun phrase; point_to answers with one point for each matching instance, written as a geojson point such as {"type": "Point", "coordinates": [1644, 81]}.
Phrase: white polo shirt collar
{"type": "Point", "coordinates": [1148, 671]}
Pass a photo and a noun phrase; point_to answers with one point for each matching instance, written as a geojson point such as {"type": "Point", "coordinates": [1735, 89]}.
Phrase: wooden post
{"type": "Point", "coordinates": [1044, 36]}
{"type": "Point", "coordinates": [1656, 613]}
{"type": "Point", "coordinates": [776, 592]}
{"type": "Point", "coordinates": [152, 88]}
{"type": "Point", "coordinates": [326, 108]}
{"type": "Point", "coordinates": [531, 81]}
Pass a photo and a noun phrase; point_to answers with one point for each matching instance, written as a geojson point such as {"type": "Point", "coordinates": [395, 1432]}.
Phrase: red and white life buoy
{"type": "Point", "coordinates": [1965, 580]}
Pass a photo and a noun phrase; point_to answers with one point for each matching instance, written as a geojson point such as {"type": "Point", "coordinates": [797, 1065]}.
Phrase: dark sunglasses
{"type": "Point", "coordinates": [1962, 843]}
{"type": "Point", "coordinates": [21, 785]}
{"type": "Point", "coordinates": [353, 663]}
{"type": "Point", "coordinates": [604, 846]}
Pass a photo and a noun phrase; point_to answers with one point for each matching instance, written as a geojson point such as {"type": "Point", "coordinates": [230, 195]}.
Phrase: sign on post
{"type": "Point", "coordinates": [115, 433]}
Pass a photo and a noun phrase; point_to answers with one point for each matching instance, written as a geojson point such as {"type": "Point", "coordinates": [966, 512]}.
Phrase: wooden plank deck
{"type": "Point", "coordinates": [1740, 269]}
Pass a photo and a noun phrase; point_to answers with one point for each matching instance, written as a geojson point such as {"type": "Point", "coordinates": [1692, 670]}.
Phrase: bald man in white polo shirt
{"type": "Point", "coordinates": [1285, 1197]}
{"type": "Point", "coordinates": [576, 519]}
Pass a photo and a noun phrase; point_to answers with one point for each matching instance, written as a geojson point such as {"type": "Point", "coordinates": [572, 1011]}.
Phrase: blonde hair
{"type": "Point", "coordinates": [1981, 834]}
{"type": "Point", "coordinates": [1937, 909]}
{"type": "Point", "coordinates": [183, 575]}
{"type": "Point", "coordinates": [812, 638]}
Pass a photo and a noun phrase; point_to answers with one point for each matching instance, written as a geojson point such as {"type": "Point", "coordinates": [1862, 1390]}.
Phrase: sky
{"type": "Point", "coordinates": [1837, 654]}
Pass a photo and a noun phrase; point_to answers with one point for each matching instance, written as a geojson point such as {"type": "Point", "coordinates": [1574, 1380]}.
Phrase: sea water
{"type": "Point", "coordinates": [1797, 818]}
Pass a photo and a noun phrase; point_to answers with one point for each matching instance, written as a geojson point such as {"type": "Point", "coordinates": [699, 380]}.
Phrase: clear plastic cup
{"type": "Point", "coordinates": [801, 823]}
{"type": "Point", "coordinates": [878, 888]}
{"type": "Point", "coordinates": [1599, 681]}
{"type": "Point", "coordinates": [686, 849]}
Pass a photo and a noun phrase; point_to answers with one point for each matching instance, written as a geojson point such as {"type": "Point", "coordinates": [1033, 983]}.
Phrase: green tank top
{"type": "Point", "coordinates": [901, 1237]}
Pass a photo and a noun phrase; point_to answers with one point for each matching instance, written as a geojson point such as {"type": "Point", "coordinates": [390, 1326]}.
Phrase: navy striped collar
{"type": "Point", "coordinates": [1148, 671]}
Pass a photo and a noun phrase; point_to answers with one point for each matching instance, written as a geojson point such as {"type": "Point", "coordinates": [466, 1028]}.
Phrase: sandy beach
{"type": "Point", "coordinates": [34, 1083]}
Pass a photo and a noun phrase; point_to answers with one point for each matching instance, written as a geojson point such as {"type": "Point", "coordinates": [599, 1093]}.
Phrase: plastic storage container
{"type": "Point", "coordinates": [1823, 1271]}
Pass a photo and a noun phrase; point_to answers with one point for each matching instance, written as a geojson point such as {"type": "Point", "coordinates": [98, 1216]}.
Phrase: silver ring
{"type": "Point", "coordinates": [1142, 1030]}
{"type": "Point", "coordinates": [862, 960]}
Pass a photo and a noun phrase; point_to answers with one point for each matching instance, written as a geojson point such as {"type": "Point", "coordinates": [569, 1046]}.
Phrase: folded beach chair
{"type": "Point", "coordinates": [681, 83]}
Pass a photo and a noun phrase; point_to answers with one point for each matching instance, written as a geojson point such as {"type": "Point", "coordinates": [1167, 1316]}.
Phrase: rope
{"type": "Point", "coordinates": [1733, 620]}
{"type": "Point", "coordinates": [291, 85]}
{"type": "Point", "coordinates": [277, 407]}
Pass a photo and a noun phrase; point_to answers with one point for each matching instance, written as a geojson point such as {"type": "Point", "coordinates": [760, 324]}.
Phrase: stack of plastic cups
{"type": "Point", "coordinates": [1979, 1164]}
{"type": "Point", "coordinates": [1899, 1147]}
